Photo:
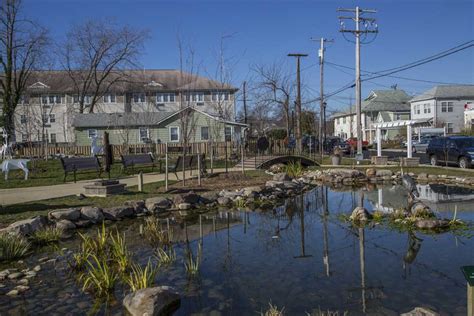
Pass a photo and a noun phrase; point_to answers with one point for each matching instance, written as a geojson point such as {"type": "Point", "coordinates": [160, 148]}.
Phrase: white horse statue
{"type": "Point", "coordinates": [95, 149]}
{"type": "Point", "coordinates": [15, 164]}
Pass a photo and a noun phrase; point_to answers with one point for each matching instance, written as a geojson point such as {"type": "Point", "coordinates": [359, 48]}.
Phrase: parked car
{"type": "Point", "coordinates": [352, 144]}
{"type": "Point", "coordinates": [420, 146]}
{"type": "Point", "coordinates": [457, 150]}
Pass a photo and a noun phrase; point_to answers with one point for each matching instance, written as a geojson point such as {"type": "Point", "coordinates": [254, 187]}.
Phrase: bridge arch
{"type": "Point", "coordinates": [305, 161]}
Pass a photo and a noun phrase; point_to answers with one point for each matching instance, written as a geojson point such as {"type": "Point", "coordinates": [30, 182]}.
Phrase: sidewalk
{"type": "Point", "coordinates": [30, 194]}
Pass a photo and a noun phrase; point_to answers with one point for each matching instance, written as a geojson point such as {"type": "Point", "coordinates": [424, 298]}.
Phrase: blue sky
{"type": "Point", "coordinates": [266, 31]}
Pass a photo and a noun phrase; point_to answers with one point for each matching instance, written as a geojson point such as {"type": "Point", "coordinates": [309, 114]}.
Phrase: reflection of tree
{"type": "Point", "coordinates": [414, 245]}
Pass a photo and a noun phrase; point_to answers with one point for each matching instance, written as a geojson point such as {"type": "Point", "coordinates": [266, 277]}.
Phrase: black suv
{"type": "Point", "coordinates": [457, 150]}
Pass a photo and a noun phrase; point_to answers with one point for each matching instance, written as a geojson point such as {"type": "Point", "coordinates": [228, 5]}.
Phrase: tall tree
{"type": "Point", "coordinates": [22, 50]}
{"type": "Point", "coordinates": [96, 54]}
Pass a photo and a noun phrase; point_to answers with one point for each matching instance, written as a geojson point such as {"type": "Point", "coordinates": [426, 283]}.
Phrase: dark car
{"type": "Point", "coordinates": [457, 150]}
{"type": "Point", "coordinates": [310, 142]}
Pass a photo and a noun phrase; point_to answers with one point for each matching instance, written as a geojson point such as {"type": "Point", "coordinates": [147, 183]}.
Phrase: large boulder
{"type": "Point", "coordinates": [432, 224]}
{"type": "Point", "coordinates": [117, 213]}
{"type": "Point", "coordinates": [137, 205]}
{"type": "Point", "coordinates": [154, 301]}
{"type": "Point", "coordinates": [72, 214]}
{"type": "Point", "coordinates": [383, 173]}
{"type": "Point", "coordinates": [190, 197]}
{"type": "Point", "coordinates": [223, 200]}
{"type": "Point", "coordinates": [345, 173]}
{"type": "Point", "coordinates": [370, 172]}
{"type": "Point", "coordinates": [360, 214]}
{"type": "Point", "coordinates": [277, 168]}
{"type": "Point", "coordinates": [26, 226]}
{"type": "Point", "coordinates": [209, 197]}
{"type": "Point", "coordinates": [65, 224]}
{"type": "Point", "coordinates": [93, 214]}
{"type": "Point", "coordinates": [158, 204]}
{"type": "Point", "coordinates": [250, 191]}
{"type": "Point", "coordinates": [281, 177]}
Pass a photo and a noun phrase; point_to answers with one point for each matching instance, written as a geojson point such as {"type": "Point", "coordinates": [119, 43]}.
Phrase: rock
{"type": "Point", "coordinates": [420, 210]}
{"type": "Point", "coordinates": [23, 282]}
{"type": "Point", "coordinates": [137, 205]}
{"type": "Point", "coordinates": [345, 173]}
{"type": "Point", "coordinates": [83, 223]}
{"type": "Point", "coordinates": [116, 213]}
{"type": "Point", "coordinates": [44, 259]}
{"type": "Point", "coordinates": [157, 204]}
{"type": "Point", "coordinates": [383, 173]}
{"type": "Point", "coordinates": [190, 197]}
{"type": "Point", "coordinates": [93, 214]}
{"type": "Point", "coordinates": [248, 191]}
{"type": "Point", "coordinates": [314, 174]}
{"type": "Point", "coordinates": [37, 268]}
{"type": "Point", "coordinates": [26, 226]}
{"type": "Point", "coordinates": [162, 300]}
{"type": "Point", "coordinates": [2, 286]}
{"type": "Point", "coordinates": [30, 274]}
{"type": "Point", "coordinates": [223, 200]}
{"type": "Point", "coordinates": [360, 214]}
{"type": "Point", "coordinates": [4, 274]}
{"type": "Point", "coordinates": [420, 311]}
{"type": "Point", "coordinates": [209, 197]}
{"type": "Point", "coordinates": [432, 224]}
{"type": "Point", "coordinates": [422, 177]}
{"type": "Point", "coordinates": [277, 168]}
{"type": "Point", "coordinates": [274, 184]}
{"type": "Point", "coordinates": [281, 177]}
{"type": "Point", "coordinates": [65, 224]}
{"type": "Point", "coordinates": [370, 172]}
{"type": "Point", "coordinates": [13, 293]}
{"type": "Point", "coordinates": [289, 185]}
{"type": "Point", "coordinates": [22, 288]}
{"type": "Point", "coordinates": [15, 275]}
{"type": "Point", "coordinates": [230, 194]}
{"type": "Point", "coordinates": [72, 214]}
{"type": "Point", "coordinates": [184, 206]}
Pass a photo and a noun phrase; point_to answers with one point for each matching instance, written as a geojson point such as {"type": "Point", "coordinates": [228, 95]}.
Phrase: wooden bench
{"type": "Point", "coordinates": [75, 164]}
{"type": "Point", "coordinates": [141, 159]}
{"type": "Point", "coordinates": [190, 162]}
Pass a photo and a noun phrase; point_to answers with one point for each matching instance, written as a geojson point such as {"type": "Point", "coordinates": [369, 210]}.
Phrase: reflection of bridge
{"type": "Point", "coordinates": [264, 162]}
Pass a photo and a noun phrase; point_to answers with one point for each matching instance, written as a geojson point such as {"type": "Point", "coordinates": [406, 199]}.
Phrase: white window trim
{"type": "Point", "coordinates": [89, 134]}
{"type": "Point", "coordinates": [147, 133]}
{"type": "Point", "coordinates": [169, 134]}
{"type": "Point", "coordinates": [52, 115]}
{"type": "Point", "coordinates": [108, 96]}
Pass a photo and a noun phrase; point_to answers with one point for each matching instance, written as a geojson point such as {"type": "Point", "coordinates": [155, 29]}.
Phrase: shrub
{"type": "Point", "coordinates": [13, 247]}
{"type": "Point", "coordinates": [140, 278]}
{"type": "Point", "coordinates": [294, 169]}
{"type": "Point", "coordinates": [46, 235]}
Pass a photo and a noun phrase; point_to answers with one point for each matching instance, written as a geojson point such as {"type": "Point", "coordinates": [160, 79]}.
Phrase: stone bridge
{"type": "Point", "coordinates": [264, 162]}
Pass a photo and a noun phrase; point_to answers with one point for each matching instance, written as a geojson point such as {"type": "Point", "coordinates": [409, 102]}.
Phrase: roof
{"type": "Point", "coordinates": [130, 81]}
{"type": "Point", "coordinates": [446, 92]}
{"type": "Point", "coordinates": [386, 100]}
{"type": "Point", "coordinates": [134, 119]}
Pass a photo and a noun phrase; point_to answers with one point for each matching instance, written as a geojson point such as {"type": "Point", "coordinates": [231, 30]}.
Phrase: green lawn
{"type": "Point", "coordinates": [50, 172]}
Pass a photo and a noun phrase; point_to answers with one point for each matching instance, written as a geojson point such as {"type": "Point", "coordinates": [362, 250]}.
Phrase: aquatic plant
{"type": "Point", "coordinates": [192, 264]}
{"type": "Point", "coordinates": [273, 311]}
{"type": "Point", "coordinates": [294, 169]}
{"type": "Point", "coordinates": [320, 312]}
{"type": "Point", "coordinates": [100, 277]}
{"type": "Point", "coordinates": [12, 247]}
{"type": "Point", "coordinates": [239, 203]}
{"type": "Point", "coordinates": [79, 259]}
{"type": "Point", "coordinates": [377, 216]}
{"type": "Point", "coordinates": [140, 278]}
{"type": "Point", "coordinates": [119, 251]}
{"type": "Point", "coordinates": [165, 257]}
{"type": "Point", "coordinates": [154, 233]}
{"type": "Point", "coordinates": [46, 235]}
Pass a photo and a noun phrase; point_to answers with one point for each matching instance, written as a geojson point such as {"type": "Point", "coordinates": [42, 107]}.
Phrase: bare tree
{"type": "Point", "coordinates": [95, 55]}
{"type": "Point", "coordinates": [274, 87]}
{"type": "Point", "coordinates": [22, 47]}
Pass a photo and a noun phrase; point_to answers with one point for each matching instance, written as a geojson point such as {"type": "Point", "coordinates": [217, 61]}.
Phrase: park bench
{"type": "Point", "coordinates": [133, 160]}
{"type": "Point", "coordinates": [75, 164]}
{"type": "Point", "coordinates": [190, 162]}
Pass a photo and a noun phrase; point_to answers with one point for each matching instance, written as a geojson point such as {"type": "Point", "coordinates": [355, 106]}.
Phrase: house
{"type": "Point", "coordinates": [49, 107]}
{"type": "Point", "coordinates": [155, 127]}
{"type": "Point", "coordinates": [380, 106]}
{"type": "Point", "coordinates": [445, 105]}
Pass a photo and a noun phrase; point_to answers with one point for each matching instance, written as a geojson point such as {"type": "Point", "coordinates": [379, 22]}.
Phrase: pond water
{"type": "Point", "coordinates": [299, 255]}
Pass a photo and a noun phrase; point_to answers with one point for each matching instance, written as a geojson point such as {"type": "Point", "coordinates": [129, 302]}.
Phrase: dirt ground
{"type": "Point", "coordinates": [218, 182]}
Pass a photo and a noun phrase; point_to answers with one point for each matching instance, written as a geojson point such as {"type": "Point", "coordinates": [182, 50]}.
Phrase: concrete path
{"type": "Point", "coordinates": [30, 194]}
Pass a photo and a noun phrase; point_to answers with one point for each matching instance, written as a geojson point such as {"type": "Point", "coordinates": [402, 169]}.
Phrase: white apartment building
{"type": "Point", "coordinates": [445, 105]}
{"type": "Point", "coordinates": [48, 107]}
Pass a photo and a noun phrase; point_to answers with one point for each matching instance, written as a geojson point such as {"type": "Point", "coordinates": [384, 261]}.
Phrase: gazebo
{"type": "Point", "coordinates": [410, 124]}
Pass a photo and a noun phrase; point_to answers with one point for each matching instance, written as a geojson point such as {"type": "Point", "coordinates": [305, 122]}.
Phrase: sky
{"type": "Point", "coordinates": [263, 32]}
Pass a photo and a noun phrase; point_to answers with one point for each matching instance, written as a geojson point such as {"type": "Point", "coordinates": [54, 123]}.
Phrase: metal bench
{"type": "Point", "coordinates": [190, 162]}
{"type": "Point", "coordinates": [75, 164]}
{"type": "Point", "coordinates": [141, 159]}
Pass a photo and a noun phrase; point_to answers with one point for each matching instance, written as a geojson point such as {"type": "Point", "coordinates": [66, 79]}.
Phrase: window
{"type": "Point", "coordinates": [449, 128]}
{"type": "Point", "coordinates": [52, 138]}
{"type": "Point", "coordinates": [139, 98]}
{"type": "Point", "coordinates": [87, 99]}
{"type": "Point", "coordinates": [91, 133]}
{"type": "Point", "coordinates": [45, 118]}
{"type": "Point", "coordinates": [109, 98]}
{"type": "Point", "coordinates": [23, 119]}
{"type": "Point", "coordinates": [24, 138]}
{"type": "Point", "coordinates": [174, 134]}
{"type": "Point", "coordinates": [417, 108]}
{"type": "Point", "coordinates": [51, 99]}
{"type": "Point", "coordinates": [220, 96]}
{"type": "Point", "coordinates": [143, 133]}
{"type": "Point", "coordinates": [447, 107]}
{"type": "Point", "coordinates": [344, 120]}
{"type": "Point", "coordinates": [52, 118]}
{"type": "Point", "coordinates": [204, 133]}
{"type": "Point", "coordinates": [228, 133]}
{"type": "Point", "coordinates": [195, 97]}
{"type": "Point", "coordinates": [426, 108]}
{"type": "Point", "coordinates": [164, 97]}
{"type": "Point", "coordinates": [75, 99]}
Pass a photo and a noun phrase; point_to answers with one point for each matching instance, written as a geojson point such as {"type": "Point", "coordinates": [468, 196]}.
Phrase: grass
{"type": "Point", "coordinates": [120, 252]}
{"type": "Point", "coordinates": [100, 277]}
{"type": "Point", "coordinates": [273, 311]}
{"type": "Point", "coordinates": [46, 236]}
{"type": "Point", "coordinates": [13, 247]}
{"type": "Point", "coordinates": [154, 233]}
{"type": "Point", "coordinates": [141, 278]}
{"type": "Point", "coordinates": [294, 169]}
{"type": "Point", "coordinates": [165, 257]}
{"type": "Point", "coordinates": [50, 172]}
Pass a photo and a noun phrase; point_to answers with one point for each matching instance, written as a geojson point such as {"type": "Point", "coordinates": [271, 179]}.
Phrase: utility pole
{"type": "Point", "coordinates": [245, 102]}
{"type": "Point", "coordinates": [298, 101]}
{"type": "Point", "coordinates": [369, 27]}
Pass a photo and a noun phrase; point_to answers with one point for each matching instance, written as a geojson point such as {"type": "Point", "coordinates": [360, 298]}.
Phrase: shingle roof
{"type": "Point", "coordinates": [86, 120]}
{"type": "Point", "coordinates": [134, 81]}
{"type": "Point", "coordinates": [386, 100]}
{"type": "Point", "coordinates": [446, 92]}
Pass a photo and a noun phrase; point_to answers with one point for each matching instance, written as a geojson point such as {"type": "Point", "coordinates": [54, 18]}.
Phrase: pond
{"type": "Point", "coordinates": [300, 256]}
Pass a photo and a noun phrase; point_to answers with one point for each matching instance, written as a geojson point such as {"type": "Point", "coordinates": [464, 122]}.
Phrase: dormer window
{"type": "Point", "coordinates": [220, 96]}
{"type": "Point", "coordinates": [165, 97]}
{"type": "Point", "coordinates": [195, 97]}
{"type": "Point", "coordinates": [52, 99]}
{"type": "Point", "coordinates": [38, 85]}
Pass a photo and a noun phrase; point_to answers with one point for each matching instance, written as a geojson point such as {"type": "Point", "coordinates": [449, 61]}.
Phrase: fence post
{"type": "Point", "coordinates": [199, 167]}
{"type": "Point", "coordinates": [242, 154]}
{"type": "Point", "coordinates": [212, 158]}
{"type": "Point", "coordinates": [140, 181]}
{"type": "Point", "coordinates": [166, 166]}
